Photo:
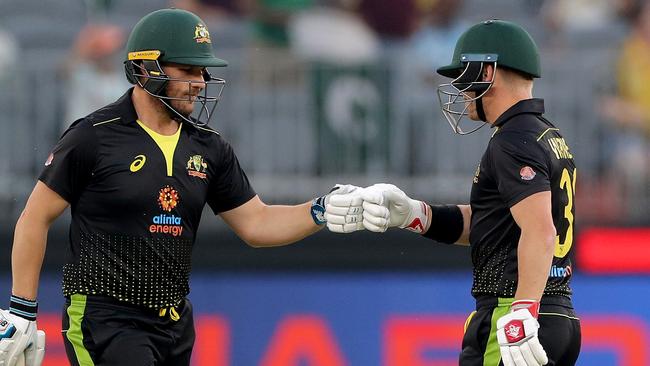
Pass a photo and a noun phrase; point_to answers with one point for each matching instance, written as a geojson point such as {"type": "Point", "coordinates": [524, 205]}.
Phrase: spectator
{"type": "Point", "coordinates": [225, 19]}
{"type": "Point", "coordinates": [393, 20]}
{"type": "Point", "coordinates": [433, 44]}
{"type": "Point", "coordinates": [92, 63]}
{"type": "Point", "coordinates": [629, 110]}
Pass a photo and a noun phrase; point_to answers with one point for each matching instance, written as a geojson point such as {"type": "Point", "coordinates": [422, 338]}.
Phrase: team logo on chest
{"type": "Point", "coordinates": [196, 167]}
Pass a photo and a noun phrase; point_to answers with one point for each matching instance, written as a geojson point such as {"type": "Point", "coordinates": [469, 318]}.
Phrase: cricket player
{"type": "Point", "coordinates": [520, 220]}
{"type": "Point", "coordinates": [137, 175]}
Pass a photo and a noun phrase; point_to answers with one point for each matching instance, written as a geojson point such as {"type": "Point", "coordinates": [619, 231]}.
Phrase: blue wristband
{"type": "Point", "coordinates": [318, 210]}
{"type": "Point", "coordinates": [23, 308]}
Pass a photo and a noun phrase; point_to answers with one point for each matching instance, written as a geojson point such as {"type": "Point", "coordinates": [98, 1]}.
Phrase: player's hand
{"type": "Point", "coordinates": [343, 209]}
{"type": "Point", "coordinates": [340, 196]}
{"type": "Point", "coordinates": [385, 206]}
{"type": "Point", "coordinates": [20, 338]}
{"type": "Point", "coordinates": [517, 336]}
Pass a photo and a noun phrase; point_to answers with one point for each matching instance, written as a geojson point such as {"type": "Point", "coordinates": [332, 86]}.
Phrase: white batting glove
{"type": "Point", "coordinates": [19, 339]}
{"type": "Point", "coordinates": [517, 335]}
{"type": "Point", "coordinates": [385, 205]}
{"type": "Point", "coordinates": [343, 210]}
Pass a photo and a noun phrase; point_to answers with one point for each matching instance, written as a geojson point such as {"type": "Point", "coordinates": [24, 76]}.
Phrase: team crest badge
{"type": "Point", "coordinates": [201, 34]}
{"type": "Point", "coordinates": [196, 167]}
{"type": "Point", "coordinates": [168, 198]}
{"type": "Point", "coordinates": [527, 173]}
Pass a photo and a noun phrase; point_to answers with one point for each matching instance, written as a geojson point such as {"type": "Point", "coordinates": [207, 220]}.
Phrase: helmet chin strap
{"type": "Point", "coordinates": [176, 115]}
{"type": "Point", "coordinates": [480, 110]}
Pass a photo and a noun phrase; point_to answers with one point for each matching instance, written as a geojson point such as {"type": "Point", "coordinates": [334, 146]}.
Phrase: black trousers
{"type": "Point", "coordinates": [559, 333]}
{"type": "Point", "coordinates": [101, 331]}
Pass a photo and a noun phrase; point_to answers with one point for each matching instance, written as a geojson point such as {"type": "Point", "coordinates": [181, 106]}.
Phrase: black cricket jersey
{"type": "Point", "coordinates": [525, 155]}
{"type": "Point", "coordinates": [136, 200]}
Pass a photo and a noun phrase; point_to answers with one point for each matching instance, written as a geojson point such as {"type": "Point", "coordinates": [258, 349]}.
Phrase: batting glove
{"type": "Point", "coordinates": [340, 209]}
{"type": "Point", "coordinates": [385, 205]}
{"type": "Point", "coordinates": [517, 335]}
{"type": "Point", "coordinates": [19, 338]}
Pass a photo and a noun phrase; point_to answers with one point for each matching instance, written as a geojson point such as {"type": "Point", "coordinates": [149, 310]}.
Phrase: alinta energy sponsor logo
{"type": "Point", "coordinates": [560, 272]}
{"type": "Point", "coordinates": [167, 224]}
{"type": "Point", "coordinates": [168, 199]}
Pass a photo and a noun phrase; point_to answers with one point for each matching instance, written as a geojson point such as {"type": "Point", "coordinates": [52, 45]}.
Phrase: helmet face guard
{"type": "Point", "coordinates": [149, 75]}
{"type": "Point", "coordinates": [454, 96]}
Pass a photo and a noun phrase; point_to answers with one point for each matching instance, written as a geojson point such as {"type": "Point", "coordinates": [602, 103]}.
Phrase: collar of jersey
{"type": "Point", "coordinates": [532, 106]}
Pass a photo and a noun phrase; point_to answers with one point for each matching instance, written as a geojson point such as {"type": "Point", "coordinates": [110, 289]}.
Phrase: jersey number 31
{"type": "Point", "coordinates": [568, 184]}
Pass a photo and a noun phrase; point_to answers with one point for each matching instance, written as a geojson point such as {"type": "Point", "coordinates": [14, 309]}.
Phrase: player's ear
{"type": "Point", "coordinates": [487, 72]}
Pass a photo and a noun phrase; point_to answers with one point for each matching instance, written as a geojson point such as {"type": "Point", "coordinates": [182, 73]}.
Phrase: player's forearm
{"type": "Point", "coordinates": [27, 254]}
{"type": "Point", "coordinates": [278, 225]}
{"type": "Point", "coordinates": [535, 254]}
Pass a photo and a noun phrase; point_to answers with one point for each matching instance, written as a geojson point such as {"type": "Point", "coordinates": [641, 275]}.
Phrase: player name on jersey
{"type": "Point", "coordinates": [560, 148]}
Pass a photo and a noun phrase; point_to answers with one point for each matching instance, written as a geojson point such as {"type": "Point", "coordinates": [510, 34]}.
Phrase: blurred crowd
{"type": "Point", "coordinates": [283, 34]}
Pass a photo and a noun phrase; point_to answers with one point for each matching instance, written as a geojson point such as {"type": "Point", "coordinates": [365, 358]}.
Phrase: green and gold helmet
{"type": "Point", "coordinates": [496, 42]}
{"type": "Point", "coordinates": [173, 36]}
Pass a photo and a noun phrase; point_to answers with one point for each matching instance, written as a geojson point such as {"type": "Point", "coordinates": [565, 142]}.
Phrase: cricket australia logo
{"type": "Point", "coordinates": [196, 167]}
{"type": "Point", "coordinates": [201, 34]}
{"type": "Point", "coordinates": [168, 198]}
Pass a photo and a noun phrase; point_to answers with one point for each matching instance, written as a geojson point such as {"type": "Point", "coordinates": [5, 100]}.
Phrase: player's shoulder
{"type": "Point", "coordinates": [527, 128]}
{"type": "Point", "coordinates": [205, 131]}
{"type": "Point", "coordinates": [205, 134]}
{"type": "Point", "coordinates": [524, 140]}
{"type": "Point", "coordinates": [121, 111]}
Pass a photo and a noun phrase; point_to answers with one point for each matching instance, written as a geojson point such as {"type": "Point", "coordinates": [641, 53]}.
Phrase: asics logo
{"type": "Point", "coordinates": [138, 163]}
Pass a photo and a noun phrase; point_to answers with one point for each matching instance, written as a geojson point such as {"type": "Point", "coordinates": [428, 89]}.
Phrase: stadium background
{"type": "Point", "coordinates": [321, 92]}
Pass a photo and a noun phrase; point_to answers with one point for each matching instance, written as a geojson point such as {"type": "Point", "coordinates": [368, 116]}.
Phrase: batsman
{"type": "Point", "coordinates": [520, 219]}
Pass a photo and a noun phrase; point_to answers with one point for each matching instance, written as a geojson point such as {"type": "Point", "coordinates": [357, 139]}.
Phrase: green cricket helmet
{"type": "Point", "coordinates": [180, 37]}
{"type": "Point", "coordinates": [491, 42]}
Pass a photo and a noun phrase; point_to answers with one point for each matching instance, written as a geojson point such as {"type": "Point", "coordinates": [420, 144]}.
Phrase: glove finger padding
{"type": "Point", "coordinates": [372, 209]}
{"type": "Point", "coordinates": [528, 355]}
{"type": "Point", "coordinates": [343, 219]}
{"type": "Point", "coordinates": [517, 357]}
{"type": "Point", "coordinates": [538, 351]}
{"type": "Point", "coordinates": [506, 357]}
{"type": "Point", "coordinates": [374, 223]}
{"type": "Point", "coordinates": [344, 228]}
{"type": "Point", "coordinates": [372, 195]}
{"type": "Point", "coordinates": [35, 353]}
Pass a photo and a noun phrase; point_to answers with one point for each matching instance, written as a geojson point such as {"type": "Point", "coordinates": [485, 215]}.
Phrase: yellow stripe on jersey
{"type": "Point", "coordinates": [109, 121]}
{"type": "Point", "coordinates": [544, 133]}
{"type": "Point", "coordinates": [167, 144]}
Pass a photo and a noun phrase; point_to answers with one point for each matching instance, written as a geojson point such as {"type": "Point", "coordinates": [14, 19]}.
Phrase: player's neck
{"type": "Point", "coordinates": [152, 113]}
{"type": "Point", "coordinates": [501, 103]}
